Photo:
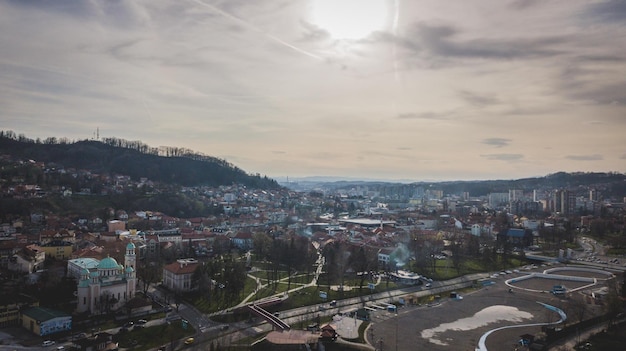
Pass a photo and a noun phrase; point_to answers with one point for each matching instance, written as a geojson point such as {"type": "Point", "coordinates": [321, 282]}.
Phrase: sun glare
{"type": "Point", "coordinates": [349, 19]}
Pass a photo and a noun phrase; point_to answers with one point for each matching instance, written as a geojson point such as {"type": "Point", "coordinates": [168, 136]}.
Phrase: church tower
{"type": "Point", "coordinates": [130, 258]}
{"type": "Point", "coordinates": [130, 268]}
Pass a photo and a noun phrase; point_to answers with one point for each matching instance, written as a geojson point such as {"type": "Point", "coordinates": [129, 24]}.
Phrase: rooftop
{"type": "Point", "coordinates": [43, 314]}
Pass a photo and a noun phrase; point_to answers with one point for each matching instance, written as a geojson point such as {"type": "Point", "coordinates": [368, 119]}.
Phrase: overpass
{"type": "Point", "coordinates": [269, 317]}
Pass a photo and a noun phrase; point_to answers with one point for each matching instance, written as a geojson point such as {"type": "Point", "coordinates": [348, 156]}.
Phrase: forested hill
{"type": "Point", "coordinates": [608, 183]}
{"type": "Point", "coordinates": [170, 165]}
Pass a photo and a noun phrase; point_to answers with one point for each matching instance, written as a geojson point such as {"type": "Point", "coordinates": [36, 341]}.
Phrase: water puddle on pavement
{"type": "Point", "coordinates": [481, 318]}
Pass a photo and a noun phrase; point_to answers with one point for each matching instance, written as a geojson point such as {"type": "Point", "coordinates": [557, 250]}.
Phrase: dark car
{"type": "Point", "coordinates": [129, 324]}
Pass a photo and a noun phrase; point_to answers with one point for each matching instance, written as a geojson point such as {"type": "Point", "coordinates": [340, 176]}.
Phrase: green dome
{"type": "Point", "coordinates": [108, 263]}
{"type": "Point", "coordinates": [130, 246]}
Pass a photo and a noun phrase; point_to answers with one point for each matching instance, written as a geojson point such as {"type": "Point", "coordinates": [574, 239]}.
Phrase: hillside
{"type": "Point", "coordinates": [610, 184]}
{"type": "Point", "coordinates": [116, 156]}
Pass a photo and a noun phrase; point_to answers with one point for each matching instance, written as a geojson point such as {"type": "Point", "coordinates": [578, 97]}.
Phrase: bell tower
{"type": "Point", "coordinates": [130, 258]}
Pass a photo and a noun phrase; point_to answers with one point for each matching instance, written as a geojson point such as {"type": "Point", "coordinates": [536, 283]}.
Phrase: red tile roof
{"type": "Point", "coordinates": [178, 268]}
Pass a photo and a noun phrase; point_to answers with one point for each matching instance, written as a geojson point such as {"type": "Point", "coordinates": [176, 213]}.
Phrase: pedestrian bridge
{"type": "Point", "coordinates": [269, 317]}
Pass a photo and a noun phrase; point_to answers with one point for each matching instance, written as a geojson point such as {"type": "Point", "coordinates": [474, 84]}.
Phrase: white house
{"type": "Point", "coordinates": [177, 276]}
{"type": "Point", "coordinates": [28, 260]}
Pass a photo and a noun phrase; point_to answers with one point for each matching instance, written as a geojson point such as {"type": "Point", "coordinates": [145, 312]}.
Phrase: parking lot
{"type": "Point", "coordinates": [458, 324]}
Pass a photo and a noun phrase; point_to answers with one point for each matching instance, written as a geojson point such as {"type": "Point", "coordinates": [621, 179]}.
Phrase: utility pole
{"type": "Point", "coordinates": [396, 329]}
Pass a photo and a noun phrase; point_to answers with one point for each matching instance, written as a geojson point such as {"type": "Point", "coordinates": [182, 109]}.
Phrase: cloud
{"type": "Point", "coordinates": [503, 157]}
{"type": "Point", "coordinates": [477, 100]}
{"type": "Point", "coordinates": [524, 4]}
{"type": "Point", "coordinates": [594, 157]}
{"type": "Point", "coordinates": [424, 115]}
{"type": "Point", "coordinates": [497, 142]}
{"type": "Point", "coordinates": [606, 11]}
{"type": "Point", "coordinates": [236, 79]}
{"type": "Point", "coordinates": [442, 40]}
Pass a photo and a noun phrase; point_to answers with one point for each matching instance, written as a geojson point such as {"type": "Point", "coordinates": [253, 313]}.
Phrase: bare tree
{"type": "Point", "coordinates": [578, 307]}
{"type": "Point", "coordinates": [149, 273]}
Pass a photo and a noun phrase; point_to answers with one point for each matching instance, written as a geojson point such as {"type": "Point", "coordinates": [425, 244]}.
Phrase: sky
{"type": "Point", "coordinates": [371, 89]}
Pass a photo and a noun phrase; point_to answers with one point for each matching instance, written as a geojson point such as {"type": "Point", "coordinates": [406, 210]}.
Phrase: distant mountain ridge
{"type": "Point", "coordinates": [137, 160]}
{"type": "Point", "coordinates": [612, 183]}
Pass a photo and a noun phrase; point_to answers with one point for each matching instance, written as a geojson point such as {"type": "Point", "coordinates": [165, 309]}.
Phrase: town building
{"type": "Point", "coordinates": [10, 306]}
{"type": "Point", "coordinates": [28, 260]}
{"type": "Point", "coordinates": [76, 266]}
{"type": "Point", "coordinates": [100, 342]}
{"type": "Point", "coordinates": [45, 321]}
{"type": "Point", "coordinates": [57, 249]}
{"type": "Point", "coordinates": [116, 226]}
{"type": "Point", "coordinates": [109, 286]}
{"type": "Point", "coordinates": [243, 240]}
{"type": "Point", "coordinates": [47, 236]}
{"type": "Point", "coordinates": [177, 276]}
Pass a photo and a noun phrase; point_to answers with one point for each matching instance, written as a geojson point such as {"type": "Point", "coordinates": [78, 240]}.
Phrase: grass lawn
{"type": "Point", "coordinates": [445, 270]}
{"type": "Point", "coordinates": [617, 251]}
{"type": "Point", "coordinates": [249, 286]}
{"type": "Point", "coordinates": [264, 274]}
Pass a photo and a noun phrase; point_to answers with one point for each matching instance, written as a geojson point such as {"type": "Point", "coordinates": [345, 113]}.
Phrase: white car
{"type": "Point", "coordinates": [47, 343]}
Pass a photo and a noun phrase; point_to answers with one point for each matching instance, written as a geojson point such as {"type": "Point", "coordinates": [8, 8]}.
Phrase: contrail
{"type": "Point", "coordinates": [250, 26]}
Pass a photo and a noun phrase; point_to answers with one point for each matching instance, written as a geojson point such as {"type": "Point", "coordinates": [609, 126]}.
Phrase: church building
{"type": "Point", "coordinates": [109, 286]}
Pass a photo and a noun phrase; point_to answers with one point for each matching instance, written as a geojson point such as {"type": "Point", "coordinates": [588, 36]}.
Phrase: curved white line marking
{"type": "Point", "coordinates": [483, 338]}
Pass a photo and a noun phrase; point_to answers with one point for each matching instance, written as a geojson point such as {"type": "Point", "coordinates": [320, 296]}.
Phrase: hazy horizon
{"type": "Point", "coordinates": [375, 89]}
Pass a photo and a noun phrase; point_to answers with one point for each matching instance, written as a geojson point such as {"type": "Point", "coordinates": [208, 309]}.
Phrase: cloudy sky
{"type": "Point", "coordinates": [383, 89]}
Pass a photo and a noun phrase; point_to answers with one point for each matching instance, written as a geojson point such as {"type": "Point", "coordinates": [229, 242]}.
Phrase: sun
{"type": "Point", "coordinates": [349, 19]}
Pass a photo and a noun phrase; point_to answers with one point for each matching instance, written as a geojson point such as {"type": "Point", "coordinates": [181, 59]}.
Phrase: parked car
{"type": "Point", "coordinates": [189, 341]}
{"type": "Point", "coordinates": [142, 321]}
{"type": "Point", "coordinates": [47, 343]}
